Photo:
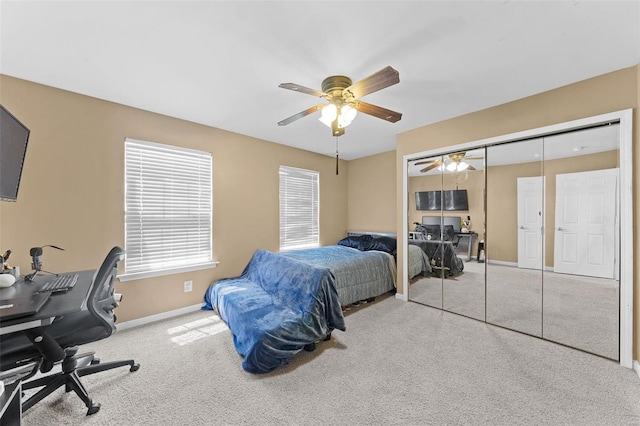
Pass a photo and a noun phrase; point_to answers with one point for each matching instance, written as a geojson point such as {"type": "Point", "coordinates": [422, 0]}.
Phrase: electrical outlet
{"type": "Point", "coordinates": [188, 286]}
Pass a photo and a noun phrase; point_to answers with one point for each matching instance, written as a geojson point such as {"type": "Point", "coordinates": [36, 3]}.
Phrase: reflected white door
{"type": "Point", "coordinates": [530, 232]}
{"type": "Point", "coordinates": [585, 223]}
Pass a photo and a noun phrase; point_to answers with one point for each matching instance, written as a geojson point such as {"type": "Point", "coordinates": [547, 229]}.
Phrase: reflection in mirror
{"type": "Point", "coordinates": [514, 241]}
{"type": "Point", "coordinates": [446, 213]}
{"type": "Point", "coordinates": [464, 286]}
{"type": "Point", "coordinates": [551, 240]}
{"type": "Point", "coordinates": [581, 278]}
{"type": "Point", "coordinates": [425, 196]}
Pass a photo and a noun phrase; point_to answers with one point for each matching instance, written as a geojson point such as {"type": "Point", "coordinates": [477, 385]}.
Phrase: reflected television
{"type": "Point", "coordinates": [452, 200]}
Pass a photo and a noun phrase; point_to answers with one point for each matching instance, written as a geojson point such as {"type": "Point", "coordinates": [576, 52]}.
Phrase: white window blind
{"type": "Point", "coordinates": [168, 207]}
{"type": "Point", "coordinates": [299, 208]}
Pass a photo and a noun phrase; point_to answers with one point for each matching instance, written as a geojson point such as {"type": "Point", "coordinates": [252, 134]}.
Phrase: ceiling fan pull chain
{"type": "Point", "coordinates": [336, 155]}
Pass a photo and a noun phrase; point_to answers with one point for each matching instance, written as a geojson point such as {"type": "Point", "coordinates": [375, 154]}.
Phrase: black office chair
{"type": "Point", "coordinates": [45, 346]}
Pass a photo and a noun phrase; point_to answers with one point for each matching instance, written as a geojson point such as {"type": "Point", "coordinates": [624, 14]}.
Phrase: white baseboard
{"type": "Point", "coordinates": [501, 263]}
{"type": "Point", "coordinates": [513, 264]}
{"type": "Point", "coordinates": [636, 366]}
{"type": "Point", "coordinates": [158, 317]}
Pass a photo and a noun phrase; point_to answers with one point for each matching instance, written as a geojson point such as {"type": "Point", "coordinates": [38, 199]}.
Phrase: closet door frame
{"type": "Point", "coordinates": [624, 117]}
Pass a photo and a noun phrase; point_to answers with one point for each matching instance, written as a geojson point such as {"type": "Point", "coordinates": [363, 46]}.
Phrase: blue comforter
{"type": "Point", "coordinates": [276, 307]}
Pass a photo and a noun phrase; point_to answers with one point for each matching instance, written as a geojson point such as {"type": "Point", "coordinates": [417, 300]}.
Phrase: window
{"type": "Point", "coordinates": [299, 206]}
{"type": "Point", "coordinates": [168, 209]}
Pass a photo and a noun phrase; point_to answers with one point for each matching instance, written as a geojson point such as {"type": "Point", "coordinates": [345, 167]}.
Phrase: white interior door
{"type": "Point", "coordinates": [530, 230]}
{"type": "Point", "coordinates": [585, 223]}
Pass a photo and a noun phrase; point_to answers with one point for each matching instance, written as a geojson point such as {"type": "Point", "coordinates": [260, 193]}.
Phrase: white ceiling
{"type": "Point", "coordinates": [219, 63]}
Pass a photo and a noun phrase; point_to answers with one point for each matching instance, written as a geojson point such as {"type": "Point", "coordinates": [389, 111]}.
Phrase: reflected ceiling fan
{"type": "Point", "coordinates": [343, 99]}
{"type": "Point", "coordinates": [452, 162]}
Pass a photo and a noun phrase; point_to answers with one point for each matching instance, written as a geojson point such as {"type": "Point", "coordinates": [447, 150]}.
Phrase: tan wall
{"type": "Point", "coordinates": [71, 193]}
{"type": "Point", "coordinates": [372, 193]}
{"type": "Point", "coordinates": [606, 93]}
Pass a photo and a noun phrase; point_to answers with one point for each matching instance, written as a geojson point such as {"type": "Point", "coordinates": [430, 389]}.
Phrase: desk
{"type": "Point", "coordinates": [63, 303]}
{"type": "Point", "coordinates": [73, 300]}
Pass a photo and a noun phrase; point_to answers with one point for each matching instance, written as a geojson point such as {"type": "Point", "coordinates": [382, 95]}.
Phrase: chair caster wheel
{"type": "Point", "coordinates": [93, 409]}
{"type": "Point", "coordinates": [327, 337]}
{"type": "Point", "coordinates": [310, 347]}
{"type": "Point", "coordinates": [134, 367]}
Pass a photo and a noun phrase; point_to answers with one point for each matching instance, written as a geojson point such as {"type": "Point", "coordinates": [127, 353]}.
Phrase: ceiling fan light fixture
{"type": "Point", "coordinates": [347, 114]}
{"type": "Point", "coordinates": [344, 117]}
{"type": "Point", "coordinates": [457, 166]}
{"type": "Point", "coordinates": [329, 114]}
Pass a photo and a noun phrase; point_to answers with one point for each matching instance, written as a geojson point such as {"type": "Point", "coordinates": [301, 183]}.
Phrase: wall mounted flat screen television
{"type": "Point", "coordinates": [14, 137]}
{"type": "Point", "coordinates": [451, 200]}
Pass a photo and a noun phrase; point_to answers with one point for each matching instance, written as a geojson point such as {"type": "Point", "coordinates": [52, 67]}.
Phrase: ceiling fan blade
{"type": "Point", "coordinates": [431, 167]}
{"type": "Point", "coordinates": [471, 167]}
{"type": "Point", "coordinates": [379, 112]}
{"type": "Point", "coordinates": [302, 89]}
{"type": "Point", "coordinates": [419, 163]}
{"type": "Point", "coordinates": [384, 78]}
{"type": "Point", "coordinates": [301, 114]}
{"type": "Point", "coordinates": [474, 158]}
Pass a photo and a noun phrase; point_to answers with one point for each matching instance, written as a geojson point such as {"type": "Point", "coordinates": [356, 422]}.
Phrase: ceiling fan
{"type": "Point", "coordinates": [343, 99]}
{"type": "Point", "coordinates": [453, 163]}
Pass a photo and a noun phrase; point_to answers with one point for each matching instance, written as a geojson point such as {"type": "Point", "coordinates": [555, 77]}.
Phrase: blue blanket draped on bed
{"type": "Point", "coordinates": [359, 274]}
{"type": "Point", "coordinates": [276, 307]}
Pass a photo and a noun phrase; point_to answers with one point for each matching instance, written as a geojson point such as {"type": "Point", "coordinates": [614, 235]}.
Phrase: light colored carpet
{"type": "Point", "coordinates": [398, 363]}
{"type": "Point", "coordinates": [582, 312]}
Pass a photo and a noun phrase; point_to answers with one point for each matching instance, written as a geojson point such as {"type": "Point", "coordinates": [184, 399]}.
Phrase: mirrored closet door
{"type": "Point", "coordinates": [515, 248]}
{"type": "Point", "coordinates": [446, 217]}
{"type": "Point", "coordinates": [525, 234]}
{"type": "Point", "coordinates": [425, 189]}
{"type": "Point", "coordinates": [581, 278]}
{"type": "Point", "coordinates": [464, 288]}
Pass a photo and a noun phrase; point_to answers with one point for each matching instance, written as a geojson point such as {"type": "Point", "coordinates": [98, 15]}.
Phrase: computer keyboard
{"type": "Point", "coordinates": [61, 282]}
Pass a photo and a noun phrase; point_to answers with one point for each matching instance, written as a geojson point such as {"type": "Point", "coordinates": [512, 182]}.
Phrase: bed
{"type": "Point", "coordinates": [276, 308]}
{"type": "Point", "coordinates": [368, 269]}
{"type": "Point", "coordinates": [285, 302]}
{"type": "Point", "coordinates": [360, 275]}
{"type": "Point", "coordinates": [418, 261]}
{"type": "Point", "coordinates": [364, 264]}
{"type": "Point", "coordinates": [439, 243]}
{"type": "Point", "coordinates": [442, 256]}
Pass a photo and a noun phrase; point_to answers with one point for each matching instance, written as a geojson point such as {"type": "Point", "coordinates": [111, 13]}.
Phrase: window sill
{"type": "Point", "coordinates": [161, 272]}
